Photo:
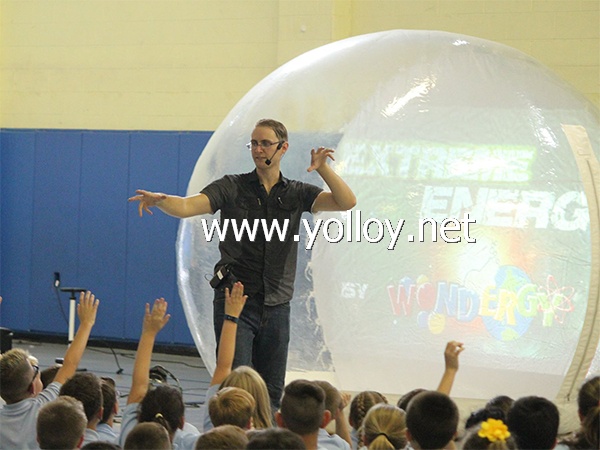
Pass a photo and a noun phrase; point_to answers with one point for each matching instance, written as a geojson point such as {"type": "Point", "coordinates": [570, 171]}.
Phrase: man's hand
{"type": "Point", "coordinates": [147, 200]}
{"type": "Point", "coordinates": [157, 318]}
{"type": "Point", "coordinates": [87, 308]}
{"type": "Point", "coordinates": [235, 301]}
{"type": "Point", "coordinates": [319, 158]}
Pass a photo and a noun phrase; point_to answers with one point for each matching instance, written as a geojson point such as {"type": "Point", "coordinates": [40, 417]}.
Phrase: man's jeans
{"type": "Point", "coordinates": [263, 334]}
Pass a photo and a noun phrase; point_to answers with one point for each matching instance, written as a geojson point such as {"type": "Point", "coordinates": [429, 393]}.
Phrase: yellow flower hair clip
{"type": "Point", "coordinates": [494, 430]}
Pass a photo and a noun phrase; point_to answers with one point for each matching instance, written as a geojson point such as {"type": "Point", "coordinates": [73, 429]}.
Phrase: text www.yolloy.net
{"type": "Point", "coordinates": [352, 229]}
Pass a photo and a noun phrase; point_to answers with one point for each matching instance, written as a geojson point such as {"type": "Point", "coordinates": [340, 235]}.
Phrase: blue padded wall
{"type": "Point", "coordinates": [64, 209]}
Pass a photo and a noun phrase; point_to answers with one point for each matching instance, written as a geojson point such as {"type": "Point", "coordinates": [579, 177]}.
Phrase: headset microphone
{"type": "Point", "coordinates": [268, 160]}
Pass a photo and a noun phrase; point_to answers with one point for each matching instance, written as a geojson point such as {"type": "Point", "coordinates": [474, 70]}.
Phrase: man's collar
{"type": "Point", "coordinates": [253, 176]}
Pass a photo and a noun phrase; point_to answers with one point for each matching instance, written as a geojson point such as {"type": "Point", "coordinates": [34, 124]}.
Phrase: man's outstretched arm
{"type": "Point", "coordinates": [341, 197]}
{"type": "Point", "coordinates": [173, 205]}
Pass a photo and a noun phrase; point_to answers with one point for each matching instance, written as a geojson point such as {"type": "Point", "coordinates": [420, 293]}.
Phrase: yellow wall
{"type": "Point", "coordinates": [183, 64]}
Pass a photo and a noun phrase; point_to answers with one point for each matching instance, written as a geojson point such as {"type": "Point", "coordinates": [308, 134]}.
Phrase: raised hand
{"type": "Point", "coordinates": [319, 157]}
{"type": "Point", "coordinates": [235, 301]}
{"type": "Point", "coordinates": [87, 308]}
{"type": "Point", "coordinates": [147, 200]}
{"type": "Point", "coordinates": [453, 349]}
{"type": "Point", "coordinates": [157, 318]}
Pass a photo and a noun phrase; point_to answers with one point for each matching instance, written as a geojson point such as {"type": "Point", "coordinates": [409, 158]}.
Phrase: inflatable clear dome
{"type": "Point", "coordinates": [428, 127]}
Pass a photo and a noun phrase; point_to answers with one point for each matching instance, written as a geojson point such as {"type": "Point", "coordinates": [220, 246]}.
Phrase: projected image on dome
{"type": "Point", "coordinates": [446, 125]}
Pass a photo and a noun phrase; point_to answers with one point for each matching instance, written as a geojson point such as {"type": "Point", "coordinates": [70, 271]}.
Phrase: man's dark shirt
{"type": "Point", "coordinates": [265, 268]}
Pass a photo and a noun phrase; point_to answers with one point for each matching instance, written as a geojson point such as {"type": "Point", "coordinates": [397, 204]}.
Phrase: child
{"type": "Point", "coordinates": [359, 407]}
{"type": "Point", "coordinates": [431, 421]}
{"type": "Point", "coordinates": [86, 387]}
{"type": "Point", "coordinates": [110, 406]}
{"type": "Point", "coordinates": [164, 402]}
{"type": "Point", "coordinates": [242, 377]}
{"type": "Point", "coordinates": [533, 422]}
{"type": "Point", "coordinates": [335, 404]}
{"type": "Point", "coordinates": [303, 411]}
{"type": "Point", "coordinates": [588, 408]}
{"type": "Point", "coordinates": [232, 406]}
{"type": "Point", "coordinates": [148, 435]}
{"type": "Point", "coordinates": [21, 387]}
{"type": "Point", "coordinates": [61, 424]}
{"type": "Point", "coordinates": [223, 437]}
{"type": "Point", "coordinates": [384, 427]}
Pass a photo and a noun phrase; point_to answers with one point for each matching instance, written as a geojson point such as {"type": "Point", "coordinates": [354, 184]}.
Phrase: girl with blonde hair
{"type": "Point", "coordinates": [248, 379]}
{"type": "Point", "coordinates": [384, 427]}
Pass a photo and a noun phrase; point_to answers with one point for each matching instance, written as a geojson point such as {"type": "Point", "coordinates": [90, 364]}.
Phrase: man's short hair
{"type": "Point", "coordinates": [224, 437]}
{"type": "Point", "coordinates": [533, 421]}
{"type": "Point", "coordinates": [15, 375]}
{"type": "Point", "coordinates": [279, 128]}
{"type": "Point", "coordinates": [85, 387]}
{"type": "Point", "coordinates": [432, 419]}
{"type": "Point", "coordinates": [275, 439]}
{"type": "Point", "coordinates": [302, 407]}
{"type": "Point", "coordinates": [61, 423]}
{"type": "Point", "coordinates": [231, 406]}
{"type": "Point", "coordinates": [147, 435]}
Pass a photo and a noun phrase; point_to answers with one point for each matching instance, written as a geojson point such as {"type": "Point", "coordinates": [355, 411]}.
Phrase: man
{"type": "Point", "coordinates": [267, 269]}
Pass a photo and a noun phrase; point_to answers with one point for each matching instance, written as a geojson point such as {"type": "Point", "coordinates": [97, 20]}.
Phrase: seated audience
{"type": "Point", "coordinates": [275, 439]}
{"type": "Point", "coordinates": [405, 399]}
{"type": "Point", "coordinates": [61, 424]}
{"type": "Point", "coordinates": [101, 445]}
{"type": "Point", "coordinates": [431, 421]}
{"type": "Point", "coordinates": [148, 435]}
{"type": "Point", "coordinates": [384, 427]}
{"type": "Point", "coordinates": [164, 403]}
{"type": "Point", "coordinates": [588, 408]}
{"type": "Point", "coordinates": [47, 375]}
{"type": "Point", "coordinates": [503, 402]}
{"type": "Point", "coordinates": [335, 403]}
{"type": "Point", "coordinates": [241, 377]}
{"type": "Point", "coordinates": [21, 387]}
{"type": "Point", "coordinates": [533, 422]}
{"type": "Point", "coordinates": [110, 405]}
{"type": "Point", "coordinates": [232, 406]}
{"type": "Point", "coordinates": [483, 414]}
{"type": "Point", "coordinates": [489, 434]}
{"type": "Point", "coordinates": [303, 411]}
{"type": "Point", "coordinates": [223, 437]}
{"type": "Point", "coordinates": [248, 379]}
{"type": "Point", "coordinates": [360, 405]}
{"type": "Point", "coordinates": [86, 387]}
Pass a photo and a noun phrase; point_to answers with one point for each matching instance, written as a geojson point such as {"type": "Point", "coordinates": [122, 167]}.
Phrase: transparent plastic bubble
{"type": "Point", "coordinates": [425, 125]}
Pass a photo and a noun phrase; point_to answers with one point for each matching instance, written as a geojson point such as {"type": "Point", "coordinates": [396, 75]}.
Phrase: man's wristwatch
{"type": "Point", "coordinates": [232, 318]}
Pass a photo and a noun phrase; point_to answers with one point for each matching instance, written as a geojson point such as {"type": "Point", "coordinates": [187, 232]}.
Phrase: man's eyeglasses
{"type": "Point", "coordinates": [262, 144]}
{"type": "Point", "coordinates": [36, 370]}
